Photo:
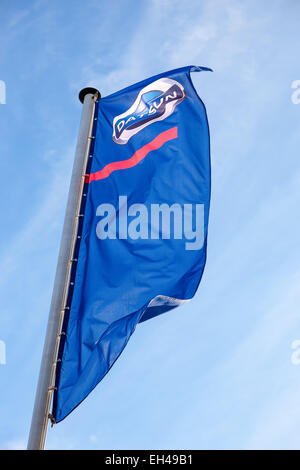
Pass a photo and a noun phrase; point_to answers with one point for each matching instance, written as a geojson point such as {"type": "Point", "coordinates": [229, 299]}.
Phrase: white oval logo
{"type": "Point", "coordinates": [154, 102]}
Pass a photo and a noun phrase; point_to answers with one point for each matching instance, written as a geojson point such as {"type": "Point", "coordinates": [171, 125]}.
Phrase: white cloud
{"type": "Point", "coordinates": [18, 444]}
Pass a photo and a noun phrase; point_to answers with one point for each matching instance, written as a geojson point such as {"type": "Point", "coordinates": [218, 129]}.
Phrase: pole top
{"type": "Point", "coordinates": [86, 91]}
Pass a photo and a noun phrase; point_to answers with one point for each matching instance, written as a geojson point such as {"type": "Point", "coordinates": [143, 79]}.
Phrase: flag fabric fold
{"type": "Point", "coordinates": [143, 238]}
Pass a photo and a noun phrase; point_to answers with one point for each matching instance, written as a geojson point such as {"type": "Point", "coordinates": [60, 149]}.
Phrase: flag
{"type": "Point", "coordinates": [142, 240]}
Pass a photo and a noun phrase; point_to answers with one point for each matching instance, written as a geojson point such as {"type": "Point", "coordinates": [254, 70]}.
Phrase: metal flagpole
{"type": "Point", "coordinates": [45, 387]}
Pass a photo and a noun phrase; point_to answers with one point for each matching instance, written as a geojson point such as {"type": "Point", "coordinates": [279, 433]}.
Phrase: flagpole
{"type": "Point", "coordinates": [46, 382]}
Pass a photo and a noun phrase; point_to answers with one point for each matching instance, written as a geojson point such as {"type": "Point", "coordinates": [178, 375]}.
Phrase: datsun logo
{"type": "Point", "coordinates": [154, 102]}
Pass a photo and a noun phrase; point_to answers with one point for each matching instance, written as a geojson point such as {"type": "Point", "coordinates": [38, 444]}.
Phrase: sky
{"type": "Point", "coordinates": [222, 371]}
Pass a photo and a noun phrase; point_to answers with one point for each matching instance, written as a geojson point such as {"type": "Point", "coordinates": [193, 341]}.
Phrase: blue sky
{"type": "Point", "coordinates": [217, 372]}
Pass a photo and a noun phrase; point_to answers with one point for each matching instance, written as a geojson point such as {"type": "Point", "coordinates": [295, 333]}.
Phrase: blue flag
{"type": "Point", "coordinates": [143, 238]}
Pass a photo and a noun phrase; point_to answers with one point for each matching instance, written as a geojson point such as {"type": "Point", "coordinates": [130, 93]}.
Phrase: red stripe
{"type": "Point", "coordinates": [136, 157]}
